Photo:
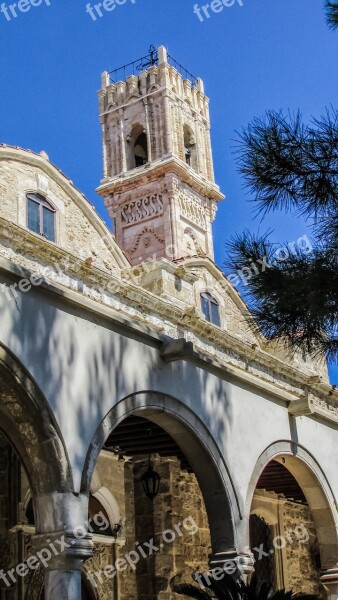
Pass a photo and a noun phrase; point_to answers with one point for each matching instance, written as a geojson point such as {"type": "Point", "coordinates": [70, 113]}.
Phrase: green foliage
{"type": "Point", "coordinates": [290, 166]}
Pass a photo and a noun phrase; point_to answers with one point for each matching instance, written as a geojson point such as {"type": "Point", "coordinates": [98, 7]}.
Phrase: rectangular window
{"type": "Point", "coordinates": [205, 308]}
{"type": "Point", "coordinates": [215, 314]}
{"type": "Point", "coordinates": [48, 224]}
{"type": "Point", "coordinates": [33, 216]}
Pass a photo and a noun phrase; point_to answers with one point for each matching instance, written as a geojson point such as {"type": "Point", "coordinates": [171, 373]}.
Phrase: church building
{"type": "Point", "coordinates": [147, 433]}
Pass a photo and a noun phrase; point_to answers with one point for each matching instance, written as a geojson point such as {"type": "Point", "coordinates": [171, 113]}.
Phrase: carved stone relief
{"type": "Point", "coordinates": [143, 208]}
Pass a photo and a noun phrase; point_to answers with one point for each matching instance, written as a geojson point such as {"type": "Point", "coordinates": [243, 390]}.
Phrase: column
{"type": "Point", "coordinates": [329, 580]}
{"type": "Point", "coordinates": [231, 558]}
{"type": "Point", "coordinates": [63, 555]}
{"type": "Point", "coordinates": [62, 543]}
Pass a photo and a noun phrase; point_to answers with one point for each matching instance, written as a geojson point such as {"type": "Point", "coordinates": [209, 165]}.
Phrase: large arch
{"type": "Point", "coordinates": [29, 426]}
{"type": "Point", "coordinates": [315, 487]}
{"type": "Point", "coordinates": [196, 443]}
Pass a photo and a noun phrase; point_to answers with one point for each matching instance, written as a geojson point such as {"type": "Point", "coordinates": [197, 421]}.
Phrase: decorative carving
{"type": "Point", "coordinates": [42, 184]}
{"type": "Point", "coordinates": [147, 239]}
{"type": "Point", "coordinates": [229, 347]}
{"type": "Point", "coordinates": [191, 207]}
{"type": "Point", "coordinates": [143, 208]}
{"type": "Point", "coordinates": [198, 249]}
{"type": "Point", "coordinates": [102, 557]}
{"type": "Point", "coordinates": [35, 585]}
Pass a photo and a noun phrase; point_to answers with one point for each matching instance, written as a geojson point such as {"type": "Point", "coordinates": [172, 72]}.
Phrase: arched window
{"type": "Point", "coordinates": [40, 216]}
{"type": "Point", "coordinates": [141, 150]}
{"type": "Point", "coordinates": [189, 146]}
{"type": "Point", "coordinates": [99, 520]}
{"type": "Point", "coordinates": [210, 309]}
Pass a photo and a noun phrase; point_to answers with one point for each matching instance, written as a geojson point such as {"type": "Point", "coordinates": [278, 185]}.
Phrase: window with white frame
{"type": "Point", "coordinates": [210, 309]}
{"type": "Point", "coordinates": [41, 216]}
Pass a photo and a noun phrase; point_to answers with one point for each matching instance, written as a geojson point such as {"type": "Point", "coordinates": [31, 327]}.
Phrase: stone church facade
{"type": "Point", "coordinates": [128, 350]}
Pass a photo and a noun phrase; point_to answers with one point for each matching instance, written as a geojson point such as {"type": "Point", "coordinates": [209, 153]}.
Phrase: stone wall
{"type": "Point", "coordinates": [302, 559]}
{"type": "Point", "coordinates": [296, 551]}
{"type": "Point", "coordinates": [78, 229]}
{"type": "Point", "coordinates": [179, 499]}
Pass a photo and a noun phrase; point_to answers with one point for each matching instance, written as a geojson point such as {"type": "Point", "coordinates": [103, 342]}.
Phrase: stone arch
{"type": "Point", "coordinates": [110, 505]}
{"type": "Point", "coordinates": [265, 514]}
{"type": "Point", "coordinates": [189, 144]}
{"type": "Point", "coordinates": [137, 146]}
{"type": "Point", "coordinates": [30, 427]}
{"type": "Point", "coordinates": [315, 487]}
{"type": "Point", "coordinates": [197, 444]}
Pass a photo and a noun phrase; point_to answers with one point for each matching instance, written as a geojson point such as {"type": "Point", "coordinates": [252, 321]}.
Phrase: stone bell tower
{"type": "Point", "coordinates": [158, 181]}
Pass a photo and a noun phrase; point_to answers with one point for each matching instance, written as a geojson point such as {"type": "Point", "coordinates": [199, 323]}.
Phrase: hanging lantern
{"type": "Point", "coordinates": [151, 482]}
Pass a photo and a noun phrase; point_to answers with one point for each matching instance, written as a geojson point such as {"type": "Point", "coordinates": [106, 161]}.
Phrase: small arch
{"type": "Point", "coordinates": [190, 155]}
{"type": "Point", "coordinates": [137, 147]}
{"type": "Point", "coordinates": [317, 491]}
{"type": "Point", "coordinates": [109, 504]}
{"type": "Point", "coordinates": [198, 446]}
{"type": "Point", "coordinates": [30, 427]}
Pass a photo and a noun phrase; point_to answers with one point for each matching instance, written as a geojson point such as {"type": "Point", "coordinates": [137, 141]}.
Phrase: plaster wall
{"type": "Point", "coordinates": [84, 365]}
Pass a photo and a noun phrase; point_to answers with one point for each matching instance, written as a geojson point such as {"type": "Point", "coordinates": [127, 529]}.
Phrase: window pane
{"type": "Point", "coordinates": [215, 314]}
{"type": "Point", "coordinates": [205, 308]}
{"type": "Point", "coordinates": [48, 224]}
{"type": "Point", "coordinates": [33, 216]}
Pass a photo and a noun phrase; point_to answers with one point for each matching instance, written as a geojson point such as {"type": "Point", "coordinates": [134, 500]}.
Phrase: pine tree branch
{"type": "Point", "coordinates": [331, 9]}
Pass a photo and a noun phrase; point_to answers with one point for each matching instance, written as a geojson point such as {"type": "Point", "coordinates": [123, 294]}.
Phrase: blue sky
{"type": "Point", "coordinates": [266, 54]}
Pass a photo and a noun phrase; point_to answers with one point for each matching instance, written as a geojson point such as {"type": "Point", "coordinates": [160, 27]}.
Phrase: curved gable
{"type": "Point", "coordinates": [79, 230]}
{"type": "Point", "coordinates": [235, 315]}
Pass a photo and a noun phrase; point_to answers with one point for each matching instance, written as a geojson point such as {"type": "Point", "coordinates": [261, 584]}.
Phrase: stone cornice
{"type": "Point", "coordinates": [170, 164]}
{"type": "Point", "coordinates": [212, 346]}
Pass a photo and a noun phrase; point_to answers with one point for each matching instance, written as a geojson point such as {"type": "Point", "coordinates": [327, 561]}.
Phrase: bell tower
{"type": "Point", "coordinates": [158, 180]}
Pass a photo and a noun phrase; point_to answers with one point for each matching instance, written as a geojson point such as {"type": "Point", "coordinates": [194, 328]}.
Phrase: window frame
{"type": "Point", "coordinates": [42, 203]}
{"type": "Point", "coordinates": [211, 300]}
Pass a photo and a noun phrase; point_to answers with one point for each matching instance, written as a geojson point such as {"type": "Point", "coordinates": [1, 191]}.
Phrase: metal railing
{"type": "Point", "coordinates": [143, 63]}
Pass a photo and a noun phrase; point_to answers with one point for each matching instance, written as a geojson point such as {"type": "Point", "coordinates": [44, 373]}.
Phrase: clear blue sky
{"type": "Point", "coordinates": [276, 54]}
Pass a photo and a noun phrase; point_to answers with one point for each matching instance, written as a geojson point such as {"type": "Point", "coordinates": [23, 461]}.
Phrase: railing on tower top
{"type": "Point", "coordinates": [143, 63]}
{"type": "Point", "coordinates": [182, 70]}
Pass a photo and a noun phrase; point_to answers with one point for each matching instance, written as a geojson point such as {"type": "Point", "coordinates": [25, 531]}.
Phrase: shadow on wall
{"type": "Point", "coordinates": [85, 364]}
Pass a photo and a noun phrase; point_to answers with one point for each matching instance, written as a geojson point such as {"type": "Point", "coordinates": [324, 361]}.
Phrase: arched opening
{"type": "Point", "coordinates": [33, 466]}
{"type": "Point", "coordinates": [189, 146]}
{"type": "Point", "coordinates": [31, 429]}
{"type": "Point", "coordinates": [137, 147]}
{"type": "Point", "coordinates": [189, 517]}
{"type": "Point", "coordinates": [141, 150]}
{"type": "Point", "coordinates": [292, 529]}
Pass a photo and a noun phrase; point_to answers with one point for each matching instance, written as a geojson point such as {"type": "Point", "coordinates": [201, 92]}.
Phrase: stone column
{"type": "Point", "coordinates": [62, 543]}
{"type": "Point", "coordinates": [240, 564]}
{"type": "Point", "coordinates": [63, 554]}
{"type": "Point", "coordinates": [329, 580]}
